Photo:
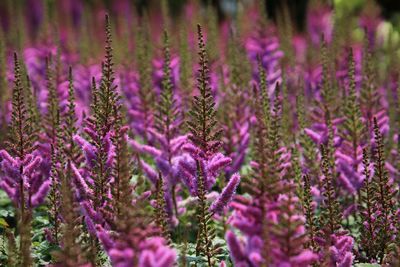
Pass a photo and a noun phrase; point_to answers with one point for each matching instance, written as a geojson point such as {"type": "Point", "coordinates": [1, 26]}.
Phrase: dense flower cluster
{"type": "Point", "coordinates": [233, 140]}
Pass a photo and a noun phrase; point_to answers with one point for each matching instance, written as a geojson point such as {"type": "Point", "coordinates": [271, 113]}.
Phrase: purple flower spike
{"type": "Point", "coordinates": [145, 148]}
{"type": "Point", "coordinates": [88, 149]}
{"type": "Point", "coordinates": [306, 258]}
{"type": "Point", "coordinates": [104, 237]}
{"type": "Point", "coordinates": [235, 248]}
{"type": "Point", "coordinates": [341, 251]}
{"type": "Point", "coordinates": [149, 171]}
{"type": "Point", "coordinates": [41, 194]}
{"type": "Point", "coordinates": [225, 197]}
{"type": "Point", "coordinates": [34, 179]}
{"type": "Point", "coordinates": [218, 162]}
{"type": "Point", "coordinates": [80, 181]}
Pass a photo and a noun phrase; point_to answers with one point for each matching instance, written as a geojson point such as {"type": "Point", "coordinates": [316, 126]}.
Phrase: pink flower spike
{"type": "Point", "coordinates": [225, 197]}
{"type": "Point", "coordinates": [40, 195]}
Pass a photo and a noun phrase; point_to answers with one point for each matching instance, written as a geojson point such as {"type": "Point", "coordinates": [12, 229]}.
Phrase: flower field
{"type": "Point", "coordinates": [185, 133]}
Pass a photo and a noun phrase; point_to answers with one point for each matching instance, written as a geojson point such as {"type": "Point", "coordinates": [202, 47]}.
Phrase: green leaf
{"type": "Point", "coordinates": [5, 213]}
{"type": "Point", "coordinates": [3, 223]}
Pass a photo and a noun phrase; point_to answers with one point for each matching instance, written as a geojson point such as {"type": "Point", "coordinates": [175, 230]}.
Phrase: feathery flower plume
{"type": "Point", "coordinates": [22, 178]}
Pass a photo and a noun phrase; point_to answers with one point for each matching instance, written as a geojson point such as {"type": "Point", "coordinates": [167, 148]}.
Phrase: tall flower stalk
{"type": "Point", "coordinates": [22, 178]}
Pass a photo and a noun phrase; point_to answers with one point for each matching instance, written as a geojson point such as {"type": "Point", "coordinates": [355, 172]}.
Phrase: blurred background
{"type": "Point", "coordinates": [78, 24]}
{"type": "Point", "coordinates": [34, 10]}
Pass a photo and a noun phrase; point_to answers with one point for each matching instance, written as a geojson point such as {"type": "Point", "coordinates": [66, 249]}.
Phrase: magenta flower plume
{"type": "Point", "coordinates": [227, 193]}
{"type": "Point", "coordinates": [31, 179]}
{"type": "Point", "coordinates": [236, 249]}
{"type": "Point", "coordinates": [266, 46]}
{"type": "Point", "coordinates": [149, 252]}
{"type": "Point", "coordinates": [156, 254]}
{"type": "Point", "coordinates": [88, 149]}
{"type": "Point", "coordinates": [341, 251]}
{"type": "Point", "coordinates": [212, 167]}
{"type": "Point", "coordinates": [320, 23]}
